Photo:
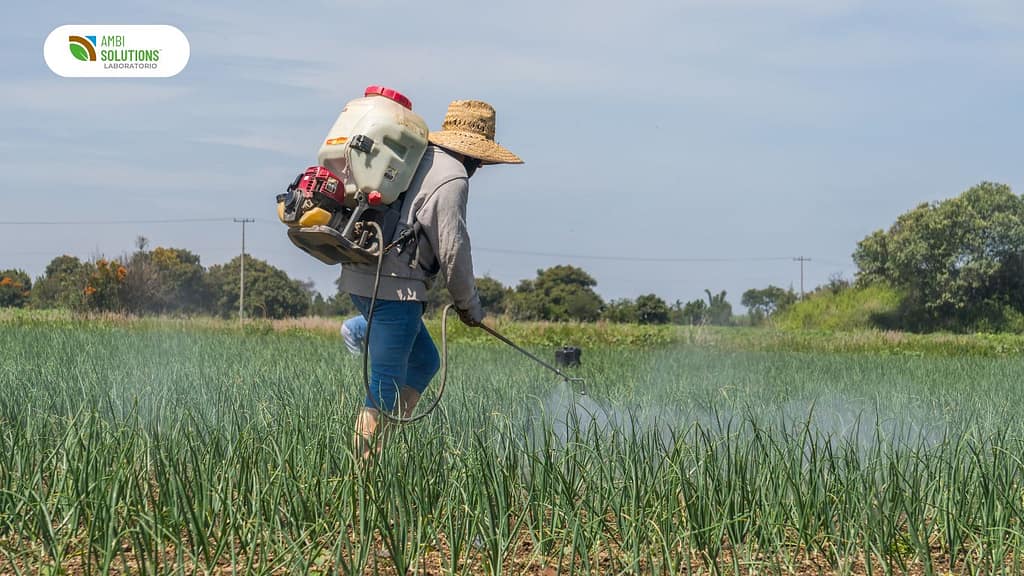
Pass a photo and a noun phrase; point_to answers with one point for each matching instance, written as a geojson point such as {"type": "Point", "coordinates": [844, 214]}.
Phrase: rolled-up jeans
{"type": "Point", "coordinates": [402, 352]}
{"type": "Point", "coordinates": [353, 331]}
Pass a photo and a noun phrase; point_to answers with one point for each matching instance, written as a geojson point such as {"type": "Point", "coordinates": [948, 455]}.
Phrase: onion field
{"type": "Point", "coordinates": [168, 451]}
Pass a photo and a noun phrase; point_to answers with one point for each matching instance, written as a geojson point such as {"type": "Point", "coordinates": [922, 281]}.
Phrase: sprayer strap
{"type": "Point", "coordinates": [407, 235]}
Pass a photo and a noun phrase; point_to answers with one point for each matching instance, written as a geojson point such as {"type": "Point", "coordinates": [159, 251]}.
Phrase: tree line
{"type": "Point", "coordinates": [955, 264]}
{"type": "Point", "coordinates": [173, 281]}
{"type": "Point", "coordinates": [566, 293]}
{"type": "Point", "coordinates": [158, 281]}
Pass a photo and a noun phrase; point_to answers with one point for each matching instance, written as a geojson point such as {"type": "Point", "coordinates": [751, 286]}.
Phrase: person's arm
{"type": "Point", "coordinates": [446, 230]}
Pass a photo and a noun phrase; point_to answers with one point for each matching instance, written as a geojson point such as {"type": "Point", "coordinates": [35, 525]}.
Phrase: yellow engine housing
{"type": "Point", "coordinates": [313, 217]}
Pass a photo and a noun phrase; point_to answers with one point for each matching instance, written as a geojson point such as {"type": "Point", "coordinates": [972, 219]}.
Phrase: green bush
{"type": "Point", "coordinates": [991, 317]}
{"type": "Point", "coordinates": [957, 262]}
{"type": "Point", "coordinates": [15, 288]}
{"type": "Point", "coordinates": [875, 306]}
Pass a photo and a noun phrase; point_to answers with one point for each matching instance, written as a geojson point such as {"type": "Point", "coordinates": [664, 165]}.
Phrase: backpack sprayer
{"type": "Point", "coordinates": [346, 210]}
{"type": "Point", "coordinates": [364, 166]}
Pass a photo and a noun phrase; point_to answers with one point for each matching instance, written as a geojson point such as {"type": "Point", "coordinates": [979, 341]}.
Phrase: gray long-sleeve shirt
{"type": "Point", "coordinates": [436, 200]}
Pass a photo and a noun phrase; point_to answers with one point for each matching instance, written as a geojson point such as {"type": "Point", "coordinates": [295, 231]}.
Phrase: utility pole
{"type": "Point", "coordinates": [801, 260]}
{"type": "Point", "coordinates": [241, 278]}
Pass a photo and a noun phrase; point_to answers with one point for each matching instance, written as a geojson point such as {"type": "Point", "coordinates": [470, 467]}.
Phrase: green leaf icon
{"type": "Point", "coordinates": [78, 52]}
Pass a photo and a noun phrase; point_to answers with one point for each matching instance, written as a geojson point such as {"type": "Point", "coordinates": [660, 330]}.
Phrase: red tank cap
{"type": "Point", "coordinates": [374, 198]}
{"type": "Point", "coordinates": [389, 94]}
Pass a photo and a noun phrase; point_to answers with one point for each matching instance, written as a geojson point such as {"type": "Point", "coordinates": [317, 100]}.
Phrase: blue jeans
{"type": "Point", "coordinates": [401, 350]}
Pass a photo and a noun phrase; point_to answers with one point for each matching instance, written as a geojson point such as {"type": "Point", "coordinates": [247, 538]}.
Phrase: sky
{"type": "Point", "coordinates": [670, 147]}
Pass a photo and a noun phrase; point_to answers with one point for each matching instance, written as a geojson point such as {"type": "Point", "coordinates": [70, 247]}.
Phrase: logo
{"type": "Point", "coordinates": [83, 47]}
{"type": "Point", "coordinates": [116, 51]}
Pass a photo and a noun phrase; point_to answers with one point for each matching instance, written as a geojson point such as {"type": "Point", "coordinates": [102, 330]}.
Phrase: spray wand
{"type": "Point", "coordinates": [566, 377]}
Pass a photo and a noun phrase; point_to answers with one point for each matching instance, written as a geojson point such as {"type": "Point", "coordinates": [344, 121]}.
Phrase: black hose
{"type": "Point", "coordinates": [366, 348]}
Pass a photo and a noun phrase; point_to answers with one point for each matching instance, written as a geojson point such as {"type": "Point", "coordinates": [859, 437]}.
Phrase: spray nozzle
{"type": "Point", "coordinates": [582, 384]}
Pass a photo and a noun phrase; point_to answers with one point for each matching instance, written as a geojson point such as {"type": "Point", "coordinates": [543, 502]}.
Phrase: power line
{"type": "Point", "coordinates": [634, 258]}
{"type": "Point", "coordinates": [609, 258]}
{"type": "Point", "coordinates": [110, 222]}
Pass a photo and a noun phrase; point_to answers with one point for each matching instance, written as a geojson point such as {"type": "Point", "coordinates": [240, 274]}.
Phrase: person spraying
{"type": "Point", "coordinates": [387, 200]}
{"type": "Point", "coordinates": [403, 357]}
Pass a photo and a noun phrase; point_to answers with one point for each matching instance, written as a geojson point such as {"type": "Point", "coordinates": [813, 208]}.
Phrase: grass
{"type": "Point", "coordinates": [858, 308]}
{"type": "Point", "coordinates": [588, 335]}
{"type": "Point", "coordinates": [147, 447]}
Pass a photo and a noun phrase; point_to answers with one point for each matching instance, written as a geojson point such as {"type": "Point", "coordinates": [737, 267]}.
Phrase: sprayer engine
{"type": "Point", "coordinates": [322, 222]}
{"type": "Point", "coordinates": [311, 199]}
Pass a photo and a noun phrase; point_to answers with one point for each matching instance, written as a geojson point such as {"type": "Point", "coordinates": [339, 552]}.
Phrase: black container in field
{"type": "Point", "coordinates": [567, 356]}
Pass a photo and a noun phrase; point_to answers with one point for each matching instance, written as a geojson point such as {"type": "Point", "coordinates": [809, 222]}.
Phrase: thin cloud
{"type": "Point", "coordinates": [258, 142]}
{"type": "Point", "coordinates": [992, 14]}
{"type": "Point", "coordinates": [113, 175]}
{"type": "Point", "coordinates": [53, 95]}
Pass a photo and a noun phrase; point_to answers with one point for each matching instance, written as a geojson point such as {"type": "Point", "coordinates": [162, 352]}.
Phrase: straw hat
{"type": "Point", "coordinates": [468, 129]}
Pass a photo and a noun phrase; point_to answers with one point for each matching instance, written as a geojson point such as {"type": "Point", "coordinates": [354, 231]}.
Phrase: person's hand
{"type": "Point", "coordinates": [470, 318]}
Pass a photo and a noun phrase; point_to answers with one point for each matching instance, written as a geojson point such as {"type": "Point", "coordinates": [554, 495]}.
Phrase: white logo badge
{"type": "Point", "coordinates": [116, 51]}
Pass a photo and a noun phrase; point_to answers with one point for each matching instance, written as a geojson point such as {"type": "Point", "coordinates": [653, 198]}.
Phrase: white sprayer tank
{"type": "Point", "coordinates": [375, 145]}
